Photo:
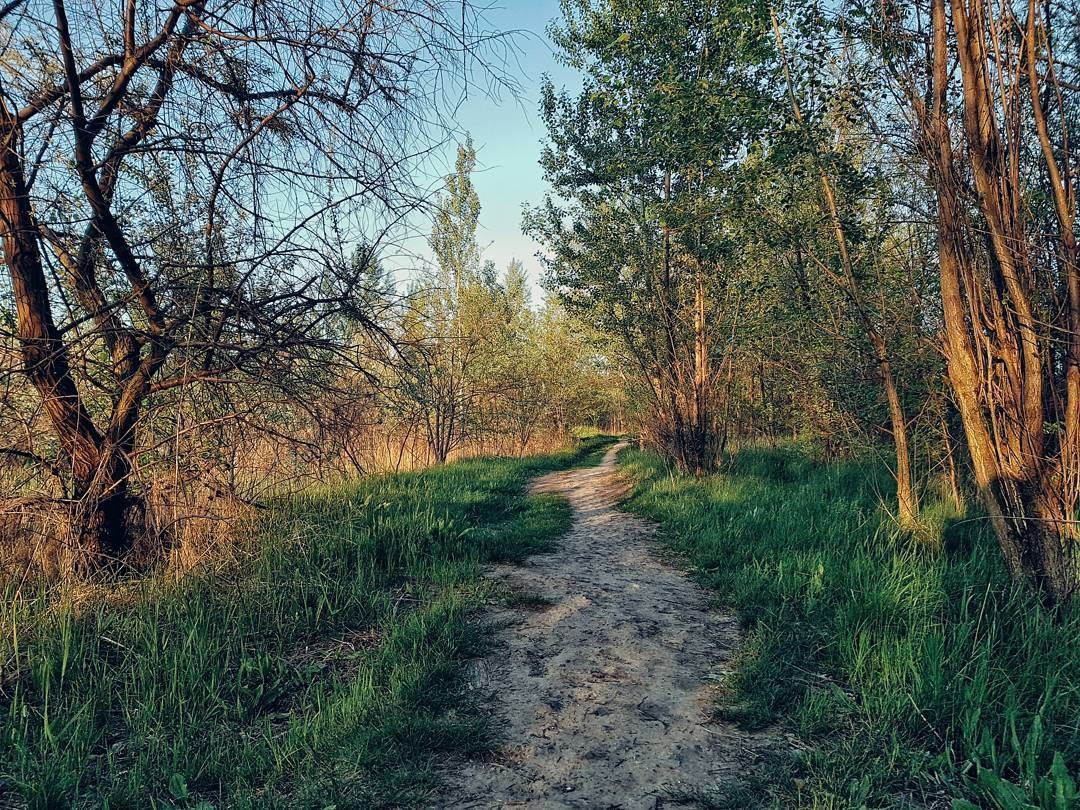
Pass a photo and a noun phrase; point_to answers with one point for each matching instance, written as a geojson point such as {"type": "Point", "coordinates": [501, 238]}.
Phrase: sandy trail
{"type": "Point", "coordinates": [604, 697]}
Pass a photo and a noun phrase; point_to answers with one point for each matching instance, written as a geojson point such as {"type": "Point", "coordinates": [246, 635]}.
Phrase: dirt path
{"type": "Point", "coordinates": [605, 695]}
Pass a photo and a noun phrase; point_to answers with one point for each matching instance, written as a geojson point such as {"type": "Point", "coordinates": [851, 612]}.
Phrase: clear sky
{"type": "Point", "coordinates": [507, 132]}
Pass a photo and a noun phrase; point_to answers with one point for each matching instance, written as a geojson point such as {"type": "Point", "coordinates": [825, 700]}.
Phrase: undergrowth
{"type": "Point", "coordinates": [917, 674]}
{"type": "Point", "coordinates": [320, 671]}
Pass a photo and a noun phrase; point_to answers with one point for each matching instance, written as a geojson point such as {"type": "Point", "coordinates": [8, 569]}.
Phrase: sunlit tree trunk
{"type": "Point", "coordinates": [702, 379]}
{"type": "Point", "coordinates": [995, 340]}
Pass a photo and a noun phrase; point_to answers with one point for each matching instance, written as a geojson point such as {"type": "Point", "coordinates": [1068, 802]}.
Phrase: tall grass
{"type": "Point", "coordinates": [918, 674]}
{"type": "Point", "coordinates": [321, 670]}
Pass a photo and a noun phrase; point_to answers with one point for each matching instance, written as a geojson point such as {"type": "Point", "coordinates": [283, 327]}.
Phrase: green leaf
{"type": "Point", "coordinates": [178, 788]}
{"type": "Point", "coordinates": [1004, 794]}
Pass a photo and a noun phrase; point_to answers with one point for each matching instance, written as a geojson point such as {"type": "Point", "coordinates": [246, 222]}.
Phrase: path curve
{"type": "Point", "coordinates": [605, 696]}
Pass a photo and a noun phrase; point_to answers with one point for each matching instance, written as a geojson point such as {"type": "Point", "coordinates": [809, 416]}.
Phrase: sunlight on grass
{"type": "Point", "coordinates": [322, 669]}
{"type": "Point", "coordinates": [917, 672]}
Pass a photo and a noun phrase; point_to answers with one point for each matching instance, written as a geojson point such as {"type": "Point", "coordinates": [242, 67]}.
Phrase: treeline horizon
{"type": "Point", "coordinates": [853, 225]}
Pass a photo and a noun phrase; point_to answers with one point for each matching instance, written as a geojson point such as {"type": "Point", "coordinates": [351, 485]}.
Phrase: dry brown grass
{"type": "Point", "coordinates": [197, 517]}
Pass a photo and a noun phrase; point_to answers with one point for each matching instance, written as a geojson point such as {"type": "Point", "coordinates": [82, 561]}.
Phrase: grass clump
{"type": "Point", "coordinates": [920, 676]}
{"type": "Point", "coordinates": [322, 670]}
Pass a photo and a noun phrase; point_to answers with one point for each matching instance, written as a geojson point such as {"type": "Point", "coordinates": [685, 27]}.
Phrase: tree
{"type": "Point", "coordinates": [993, 128]}
{"type": "Point", "coordinates": [637, 164]}
{"type": "Point", "coordinates": [450, 324]}
{"type": "Point", "coordinates": [164, 175]}
{"type": "Point", "coordinates": [842, 212]}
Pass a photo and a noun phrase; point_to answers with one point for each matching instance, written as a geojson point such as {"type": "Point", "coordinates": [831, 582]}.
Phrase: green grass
{"type": "Point", "coordinates": [919, 675]}
{"type": "Point", "coordinates": [320, 671]}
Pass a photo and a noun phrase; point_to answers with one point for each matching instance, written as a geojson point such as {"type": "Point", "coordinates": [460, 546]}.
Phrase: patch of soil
{"type": "Point", "coordinates": [605, 698]}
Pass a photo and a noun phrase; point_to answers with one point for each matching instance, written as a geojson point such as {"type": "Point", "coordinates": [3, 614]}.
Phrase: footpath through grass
{"type": "Point", "coordinates": [919, 676]}
{"type": "Point", "coordinates": [321, 671]}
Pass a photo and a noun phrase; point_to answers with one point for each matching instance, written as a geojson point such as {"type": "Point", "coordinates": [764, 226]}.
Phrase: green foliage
{"type": "Point", "coordinates": [321, 671]}
{"type": "Point", "coordinates": [453, 235]}
{"type": "Point", "coordinates": [469, 362]}
{"type": "Point", "coordinates": [640, 163]}
{"type": "Point", "coordinates": [917, 675]}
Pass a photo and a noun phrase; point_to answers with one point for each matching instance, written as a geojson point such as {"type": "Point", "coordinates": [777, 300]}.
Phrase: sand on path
{"type": "Point", "coordinates": [603, 695]}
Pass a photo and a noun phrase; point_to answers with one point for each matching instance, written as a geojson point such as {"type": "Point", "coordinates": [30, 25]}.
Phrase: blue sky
{"type": "Point", "coordinates": [507, 132]}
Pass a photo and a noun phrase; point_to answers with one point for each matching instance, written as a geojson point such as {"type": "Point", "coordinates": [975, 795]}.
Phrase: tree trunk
{"type": "Point", "coordinates": [99, 474]}
{"type": "Point", "coordinates": [104, 508]}
{"type": "Point", "coordinates": [907, 502]}
{"type": "Point", "coordinates": [952, 469]}
{"type": "Point", "coordinates": [993, 344]}
{"type": "Point", "coordinates": [701, 437]}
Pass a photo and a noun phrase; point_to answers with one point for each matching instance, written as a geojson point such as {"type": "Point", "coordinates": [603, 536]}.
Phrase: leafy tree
{"type": "Point", "coordinates": [638, 165]}
{"type": "Point", "coordinates": [454, 323]}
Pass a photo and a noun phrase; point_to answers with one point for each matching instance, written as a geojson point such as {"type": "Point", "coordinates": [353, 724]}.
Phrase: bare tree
{"type": "Point", "coordinates": [165, 176]}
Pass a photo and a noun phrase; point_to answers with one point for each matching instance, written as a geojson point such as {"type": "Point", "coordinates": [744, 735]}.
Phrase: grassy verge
{"type": "Point", "coordinates": [919, 676]}
{"type": "Point", "coordinates": [320, 672]}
